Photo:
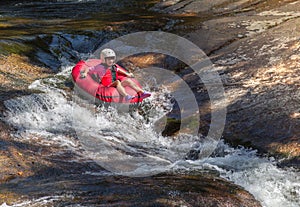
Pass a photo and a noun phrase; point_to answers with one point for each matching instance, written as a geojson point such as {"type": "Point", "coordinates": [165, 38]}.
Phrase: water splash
{"type": "Point", "coordinates": [272, 186]}
{"type": "Point", "coordinates": [120, 137]}
{"type": "Point", "coordinates": [52, 116]}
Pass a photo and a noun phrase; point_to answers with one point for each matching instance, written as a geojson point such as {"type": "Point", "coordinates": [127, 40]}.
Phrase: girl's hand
{"type": "Point", "coordinates": [130, 75]}
{"type": "Point", "coordinates": [83, 74]}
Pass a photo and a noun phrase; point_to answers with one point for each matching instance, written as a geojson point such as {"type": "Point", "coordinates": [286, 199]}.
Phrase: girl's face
{"type": "Point", "coordinates": [110, 61]}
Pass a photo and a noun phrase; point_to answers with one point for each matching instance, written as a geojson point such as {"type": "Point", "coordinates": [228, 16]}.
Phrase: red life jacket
{"type": "Point", "coordinates": [112, 74]}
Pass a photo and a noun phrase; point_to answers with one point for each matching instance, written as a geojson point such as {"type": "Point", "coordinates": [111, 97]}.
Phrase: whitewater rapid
{"type": "Point", "coordinates": [57, 117]}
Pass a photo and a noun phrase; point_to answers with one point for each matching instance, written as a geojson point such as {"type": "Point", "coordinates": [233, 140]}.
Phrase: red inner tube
{"type": "Point", "coordinates": [106, 94]}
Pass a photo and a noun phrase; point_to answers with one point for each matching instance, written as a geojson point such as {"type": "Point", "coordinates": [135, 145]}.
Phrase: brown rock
{"type": "Point", "coordinates": [256, 49]}
{"type": "Point", "coordinates": [17, 72]}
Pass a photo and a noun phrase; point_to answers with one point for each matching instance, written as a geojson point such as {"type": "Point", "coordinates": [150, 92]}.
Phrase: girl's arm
{"type": "Point", "coordinates": [124, 72]}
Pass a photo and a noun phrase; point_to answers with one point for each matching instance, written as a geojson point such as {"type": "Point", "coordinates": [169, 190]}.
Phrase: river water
{"type": "Point", "coordinates": [128, 144]}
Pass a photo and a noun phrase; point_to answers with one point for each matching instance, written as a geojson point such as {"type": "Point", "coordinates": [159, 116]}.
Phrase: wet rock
{"type": "Point", "coordinates": [218, 7]}
{"type": "Point", "coordinates": [12, 163]}
{"type": "Point", "coordinates": [161, 190]}
{"type": "Point", "coordinates": [17, 72]}
{"type": "Point", "coordinates": [263, 90]}
{"type": "Point", "coordinates": [257, 55]}
{"type": "Point", "coordinates": [193, 190]}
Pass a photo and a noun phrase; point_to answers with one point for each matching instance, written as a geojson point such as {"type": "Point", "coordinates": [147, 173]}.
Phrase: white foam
{"type": "Point", "coordinates": [272, 186]}
{"type": "Point", "coordinates": [43, 201]}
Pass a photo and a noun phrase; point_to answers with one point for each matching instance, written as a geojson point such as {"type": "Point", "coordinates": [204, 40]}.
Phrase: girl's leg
{"type": "Point", "coordinates": [129, 82]}
{"type": "Point", "coordinates": [119, 87]}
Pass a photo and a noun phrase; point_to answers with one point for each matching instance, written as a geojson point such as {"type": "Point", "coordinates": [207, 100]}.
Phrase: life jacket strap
{"type": "Point", "coordinates": [113, 73]}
